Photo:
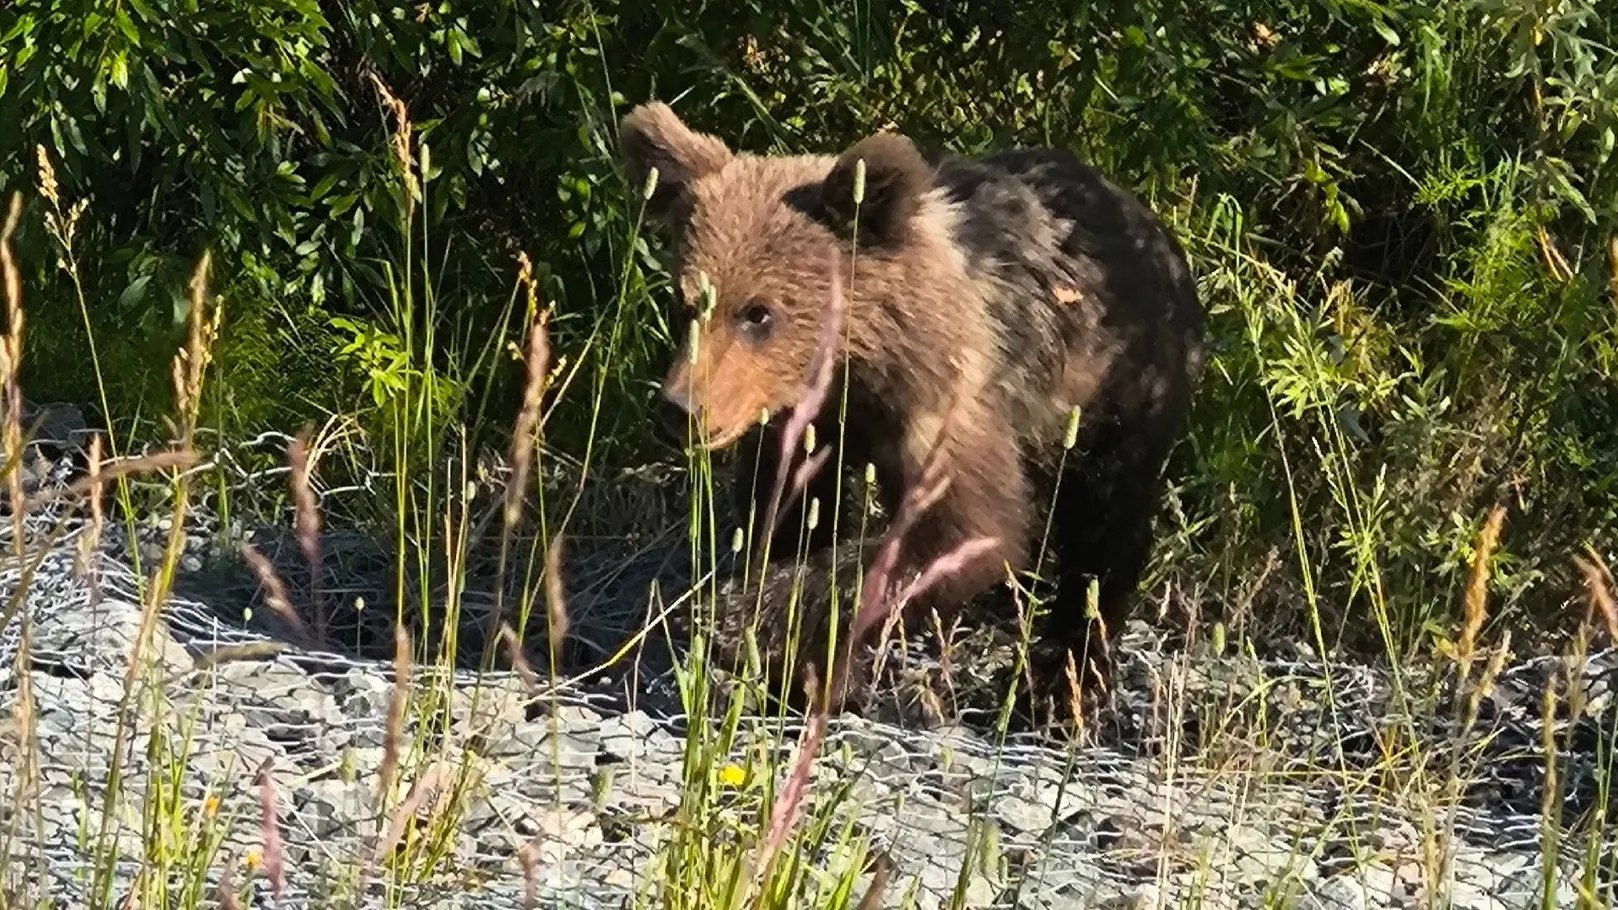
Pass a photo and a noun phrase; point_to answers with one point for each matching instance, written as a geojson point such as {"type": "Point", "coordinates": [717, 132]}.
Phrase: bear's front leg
{"type": "Point", "coordinates": [759, 463]}
{"type": "Point", "coordinates": [987, 498]}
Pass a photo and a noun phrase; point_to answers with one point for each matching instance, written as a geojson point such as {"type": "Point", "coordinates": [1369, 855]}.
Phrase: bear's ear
{"type": "Point", "coordinates": [896, 176]}
{"type": "Point", "coordinates": [653, 136]}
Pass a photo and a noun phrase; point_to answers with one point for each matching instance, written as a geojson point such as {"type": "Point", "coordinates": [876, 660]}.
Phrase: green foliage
{"type": "Point", "coordinates": [1399, 212]}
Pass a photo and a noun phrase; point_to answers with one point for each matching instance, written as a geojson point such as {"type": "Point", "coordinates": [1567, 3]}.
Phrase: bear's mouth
{"type": "Point", "coordinates": [715, 443]}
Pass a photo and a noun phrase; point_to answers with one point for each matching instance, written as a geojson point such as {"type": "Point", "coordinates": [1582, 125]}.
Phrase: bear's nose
{"type": "Point", "coordinates": [671, 420]}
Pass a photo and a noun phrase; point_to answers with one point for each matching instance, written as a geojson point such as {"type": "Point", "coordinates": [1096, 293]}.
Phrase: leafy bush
{"type": "Point", "coordinates": [1402, 215]}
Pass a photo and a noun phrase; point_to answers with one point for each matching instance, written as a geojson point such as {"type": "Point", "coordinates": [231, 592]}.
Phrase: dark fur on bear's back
{"type": "Point", "coordinates": [1116, 253]}
{"type": "Point", "coordinates": [1017, 287]}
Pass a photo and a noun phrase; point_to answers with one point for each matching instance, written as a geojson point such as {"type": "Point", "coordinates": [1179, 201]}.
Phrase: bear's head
{"type": "Point", "coordinates": [752, 236]}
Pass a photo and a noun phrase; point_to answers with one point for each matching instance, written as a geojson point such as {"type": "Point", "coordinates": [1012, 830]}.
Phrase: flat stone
{"type": "Point", "coordinates": [1467, 897]}
{"type": "Point", "coordinates": [1381, 883]}
{"type": "Point", "coordinates": [331, 807]}
{"type": "Point", "coordinates": [275, 695]}
{"type": "Point", "coordinates": [104, 637]}
{"type": "Point", "coordinates": [565, 752]}
{"type": "Point", "coordinates": [496, 704]}
{"type": "Point", "coordinates": [362, 694]}
{"type": "Point", "coordinates": [1022, 815]}
{"type": "Point", "coordinates": [562, 832]}
{"type": "Point", "coordinates": [1522, 891]}
{"type": "Point", "coordinates": [1344, 893]}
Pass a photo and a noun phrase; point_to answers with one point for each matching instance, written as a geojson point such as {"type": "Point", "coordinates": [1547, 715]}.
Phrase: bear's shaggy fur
{"type": "Point", "coordinates": [1014, 288]}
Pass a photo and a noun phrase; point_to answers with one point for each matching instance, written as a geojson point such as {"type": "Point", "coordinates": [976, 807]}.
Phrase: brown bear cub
{"type": "Point", "coordinates": [986, 300]}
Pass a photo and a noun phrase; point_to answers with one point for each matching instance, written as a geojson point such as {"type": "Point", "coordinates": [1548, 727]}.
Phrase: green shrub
{"type": "Point", "coordinates": [1400, 213]}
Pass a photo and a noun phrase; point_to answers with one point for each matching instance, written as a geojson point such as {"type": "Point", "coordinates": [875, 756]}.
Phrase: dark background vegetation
{"type": "Point", "coordinates": [1403, 215]}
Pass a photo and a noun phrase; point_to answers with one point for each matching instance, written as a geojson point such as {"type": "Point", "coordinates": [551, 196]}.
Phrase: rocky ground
{"type": "Point", "coordinates": [1223, 780]}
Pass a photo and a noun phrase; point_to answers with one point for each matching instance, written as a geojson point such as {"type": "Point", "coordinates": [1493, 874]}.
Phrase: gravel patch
{"type": "Point", "coordinates": [1222, 781]}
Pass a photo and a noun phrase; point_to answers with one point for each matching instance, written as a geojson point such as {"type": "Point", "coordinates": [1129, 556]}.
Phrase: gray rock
{"type": "Point", "coordinates": [274, 695]}
{"type": "Point", "coordinates": [104, 638]}
{"type": "Point", "coordinates": [250, 750]}
{"type": "Point", "coordinates": [331, 807]}
{"type": "Point", "coordinates": [1523, 890]}
{"type": "Point", "coordinates": [1469, 897]}
{"type": "Point", "coordinates": [1492, 866]}
{"type": "Point", "coordinates": [578, 720]}
{"type": "Point", "coordinates": [564, 752]}
{"type": "Point", "coordinates": [635, 739]}
{"type": "Point", "coordinates": [56, 422]}
{"type": "Point", "coordinates": [1381, 884]}
{"type": "Point", "coordinates": [1345, 893]}
{"type": "Point", "coordinates": [489, 710]}
{"type": "Point", "coordinates": [1022, 815]}
{"type": "Point", "coordinates": [362, 694]}
{"type": "Point", "coordinates": [559, 833]}
{"type": "Point", "coordinates": [1260, 863]}
{"type": "Point", "coordinates": [1134, 827]}
{"type": "Point", "coordinates": [1410, 881]}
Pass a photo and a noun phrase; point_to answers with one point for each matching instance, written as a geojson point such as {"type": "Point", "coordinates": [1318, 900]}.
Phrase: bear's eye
{"type": "Point", "coordinates": [755, 321]}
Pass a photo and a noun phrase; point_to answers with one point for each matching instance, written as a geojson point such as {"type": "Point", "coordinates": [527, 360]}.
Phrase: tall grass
{"type": "Point", "coordinates": [1402, 215]}
{"type": "Point", "coordinates": [1398, 449]}
{"type": "Point", "coordinates": [771, 865]}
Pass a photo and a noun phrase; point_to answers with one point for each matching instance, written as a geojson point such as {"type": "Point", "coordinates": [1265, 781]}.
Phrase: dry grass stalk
{"type": "Point", "coordinates": [91, 541]}
{"type": "Point", "coordinates": [24, 717]}
{"type": "Point", "coordinates": [269, 829]}
{"type": "Point", "coordinates": [789, 801]}
{"type": "Point", "coordinates": [307, 523]}
{"type": "Point", "coordinates": [946, 639]}
{"type": "Point", "coordinates": [1612, 267]}
{"type": "Point", "coordinates": [191, 363]}
{"type": "Point", "coordinates": [556, 616]}
{"type": "Point", "coordinates": [528, 858]}
{"type": "Point", "coordinates": [397, 700]}
{"type": "Point", "coordinates": [60, 225]}
{"type": "Point", "coordinates": [187, 371]}
{"type": "Point", "coordinates": [939, 569]}
{"type": "Point", "coordinates": [400, 141]}
{"type": "Point", "coordinates": [1103, 635]}
{"type": "Point", "coordinates": [1075, 694]}
{"type": "Point", "coordinates": [8, 263]}
{"type": "Point", "coordinates": [1550, 793]}
{"type": "Point", "coordinates": [536, 361]}
{"type": "Point", "coordinates": [1600, 589]}
{"type": "Point", "coordinates": [131, 898]}
{"type": "Point", "coordinates": [1473, 696]}
{"type": "Point", "coordinates": [226, 892]}
{"type": "Point", "coordinates": [424, 788]}
{"type": "Point", "coordinates": [1554, 261]}
{"type": "Point", "coordinates": [189, 367]}
{"type": "Point", "coordinates": [525, 671]}
{"type": "Point", "coordinates": [177, 459]}
{"type": "Point", "coordinates": [48, 186]}
{"type": "Point", "coordinates": [275, 593]}
{"type": "Point", "coordinates": [1474, 609]}
{"type": "Point", "coordinates": [879, 884]}
{"type": "Point", "coordinates": [1491, 672]}
{"type": "Point", "coordinates": [253, 650]}
{"type": "Point", "coordinates": [10, 366]}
